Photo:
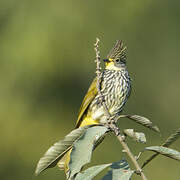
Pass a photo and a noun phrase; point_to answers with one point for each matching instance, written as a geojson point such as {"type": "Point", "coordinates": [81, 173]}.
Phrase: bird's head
{"type": "Point", "coordinates": [116, 59]}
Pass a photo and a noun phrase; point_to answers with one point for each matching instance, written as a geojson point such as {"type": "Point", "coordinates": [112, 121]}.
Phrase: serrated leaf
{"type": "Point", "coordinates": [143, 121]}
{"type": "Point", "coordinates": [55, 152]}
{"type": "Point", "coordinates": [171, 153]}
{"type": "Point", "coordinates": [136, 136]}
{"type": "Point", "coordinates": [91, 172]}
{"type": "Point", "coordinates": [119, 171]}
{"type": "Point", "coordinates": [82, 149]}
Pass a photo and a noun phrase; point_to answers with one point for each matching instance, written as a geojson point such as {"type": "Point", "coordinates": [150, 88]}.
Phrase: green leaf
{"type": "Point", "coordinates": [136, 136]}
{"type": "Point", "coordinates": [170, 140]}
{"type": "Point", "coordinates": [56, 152]}
{"type": "Point", "coordinates": [91, 172]}
{"type": "Point", "coordinates": [119, 171]}
{"type": "Point", "coordinates": [82, 149]}
{"type": "Point", "coordinates": [143, 121]}
{"type": "Point", "coordinates": [171, 153]}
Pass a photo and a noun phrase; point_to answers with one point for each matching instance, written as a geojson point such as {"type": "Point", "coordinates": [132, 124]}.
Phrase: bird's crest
{"type": "Point", "coordinates": [118, 51]}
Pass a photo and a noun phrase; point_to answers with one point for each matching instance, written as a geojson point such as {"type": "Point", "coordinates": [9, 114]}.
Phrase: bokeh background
{"type": "Point", "coordinates": [47, 64]}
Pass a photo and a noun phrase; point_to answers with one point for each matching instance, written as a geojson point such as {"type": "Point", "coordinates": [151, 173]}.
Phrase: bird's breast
{"type": "Point", "coordinates": [115, 88]}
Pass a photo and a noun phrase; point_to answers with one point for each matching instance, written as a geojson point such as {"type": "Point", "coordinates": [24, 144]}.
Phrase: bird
{"type": "Point", "coordinates": [115, 87]}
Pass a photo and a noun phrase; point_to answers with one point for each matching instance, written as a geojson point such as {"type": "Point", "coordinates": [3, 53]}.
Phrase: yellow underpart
{"type": "Point", "coordinates": [88, 121]}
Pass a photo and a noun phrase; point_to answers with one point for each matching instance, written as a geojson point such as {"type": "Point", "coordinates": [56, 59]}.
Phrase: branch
{"type": "Point", "coordinates": [171, 139]}
{"type": "Point", "coordinates": [99, 76]}
{"type": "Point", "coordinates": [112, 124]}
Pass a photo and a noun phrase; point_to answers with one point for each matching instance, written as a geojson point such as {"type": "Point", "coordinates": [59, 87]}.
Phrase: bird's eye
{"type": "Point", "coordinates": [117, 60]}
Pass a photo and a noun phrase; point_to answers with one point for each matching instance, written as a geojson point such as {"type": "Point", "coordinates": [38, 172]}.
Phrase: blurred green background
{"type": "Point", "coordinates": [47, 64]}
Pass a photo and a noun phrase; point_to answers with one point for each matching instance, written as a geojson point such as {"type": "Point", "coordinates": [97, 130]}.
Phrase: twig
{"type": "Point", "coordinates": [113, 126]}
{"type": "Point", "coordinates": [167, 143]}
{"type": "Point", "coordinates": [99, 76]}
{"type": "Point", "coordinates": [131, 156]}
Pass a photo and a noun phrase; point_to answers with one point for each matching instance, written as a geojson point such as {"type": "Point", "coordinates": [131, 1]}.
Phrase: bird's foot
{"type": "Point", "coordinates": [113, 128]}
{"type": "Point", "coordinates": [111, 120]}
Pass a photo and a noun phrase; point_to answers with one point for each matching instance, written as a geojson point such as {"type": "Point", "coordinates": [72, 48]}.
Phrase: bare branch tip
{"type": "Point", "coordinates": [97, 43]}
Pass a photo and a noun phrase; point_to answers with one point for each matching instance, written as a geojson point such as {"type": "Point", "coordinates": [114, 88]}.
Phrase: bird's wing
{"type": "Point", "coordinates": [90, 95]}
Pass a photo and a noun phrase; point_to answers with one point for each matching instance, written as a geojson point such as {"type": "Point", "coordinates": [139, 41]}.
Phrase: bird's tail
{"type": "Point", "coordinates": [63, 164]}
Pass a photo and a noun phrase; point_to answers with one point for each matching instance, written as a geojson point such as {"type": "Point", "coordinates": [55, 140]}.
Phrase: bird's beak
{"type": "Point", "coordinates": [107, 60]}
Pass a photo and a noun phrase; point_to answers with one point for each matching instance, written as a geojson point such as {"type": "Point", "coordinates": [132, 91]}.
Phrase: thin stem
{"type": "Point", "coordinates": [149, 159]}
{"type": "Point", "coordinates": [131, 156]}
{"type": "Point", "coordinates": [99, 75]}
{"type": "Point", "coordinates": [113, 126]}
{"type": "Point", "coordinates": [167, 143]}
